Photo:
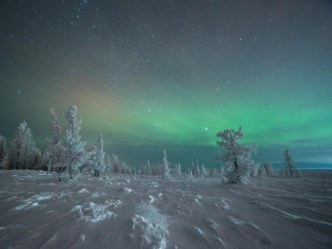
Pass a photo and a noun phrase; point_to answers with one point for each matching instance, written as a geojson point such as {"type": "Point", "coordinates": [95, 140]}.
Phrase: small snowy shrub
{"type": "Point", "coordinates": [93, 212]}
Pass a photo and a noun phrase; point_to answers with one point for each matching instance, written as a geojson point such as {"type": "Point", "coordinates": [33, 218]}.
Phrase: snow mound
{"type": "Point", "coordinates": [92, 212]}
{"type": "Point", "coordinates": [34, 201]}
{"type": "Point", "coordinates": [152, 235]}
{"type": "Point", "coordinates": [151, 199]}
{"type": "Point", "coordinates": [98, 194]}
{"type": "Point", "coordinates": [82, 191]}
{"type": "Point", "coordinates": [127, 190]}
{"type": "Point", "coordinates": [150, 227]}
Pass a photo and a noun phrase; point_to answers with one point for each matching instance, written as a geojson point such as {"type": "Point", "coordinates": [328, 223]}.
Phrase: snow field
{"type": "Point", "coordinates": [37, 211]}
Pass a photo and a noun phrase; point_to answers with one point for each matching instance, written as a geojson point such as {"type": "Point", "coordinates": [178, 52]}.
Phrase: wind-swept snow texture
{"type": "Point", "coordinates": [37, 211]}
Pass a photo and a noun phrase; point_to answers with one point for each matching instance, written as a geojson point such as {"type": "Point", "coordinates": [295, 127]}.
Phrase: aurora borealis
{"type": "Point", "coordinates": [170, 74]}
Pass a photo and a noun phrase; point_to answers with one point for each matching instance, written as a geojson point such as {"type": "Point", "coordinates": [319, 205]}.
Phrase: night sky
{"type": "Point", "coordinates": [170, 74]}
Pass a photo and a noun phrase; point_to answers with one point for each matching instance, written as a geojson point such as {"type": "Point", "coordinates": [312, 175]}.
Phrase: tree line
{"type": "Point", "coordinates": [68, 155]}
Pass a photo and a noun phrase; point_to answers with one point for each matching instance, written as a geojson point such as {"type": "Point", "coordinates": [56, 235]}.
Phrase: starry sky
{"type": "Point", "coordinates": [170, 74]}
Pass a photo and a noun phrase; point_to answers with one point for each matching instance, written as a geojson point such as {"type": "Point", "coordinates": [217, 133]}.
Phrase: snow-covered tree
{"type": "Point", "coordinates": [213, 172]}
{"type": "Point", "coordinates": [289, 165]}
{"type": "Point", "coordinates": [134, 173]}
{"type": "Point", "coordinates": [177, 170]}
{"type": "Point", "coordinates": [23, 148]}
{"type": "Point", "coordinates": [125, 169]}
{"type": "Point", "coordinates": [148, 168]}
{"type": "Point", "coordinates": [4, 156]}
{"type": "Point", "coordinates": [44, 158]}
{"type": "Point", "coordinates": [55, 148]}
{"type": "Point", "coordinates": [261, 172]}
{"type": "Point", "coordinates": [237, 158]}
{"type": "Point", "coordinates": [204, 172]}
{"type": "Point", "coordinates": [190, 176]}
{"type": "Point", "coordinates": [223, 175]}
{"type": "Point", "coordinates": [108, 165]}
{"type": "Point", "coordinates": [74, 152]}
{"type": "Point", "coordinates": [116, 165]}
{"type": "Point", "coordinates": [268, 168]}
{"type": "Point", "coordinates": [197, 170]}
{"type": "Point", "coordinates": [97, 158]}
{"type": "Point", "coordinates": [253, 169]}
{"type": "Point", "coordinates": [165, 167]}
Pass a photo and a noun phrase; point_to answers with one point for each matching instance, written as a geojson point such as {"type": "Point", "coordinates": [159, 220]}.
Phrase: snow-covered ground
{"type": "Point", "coordinates": [37, 211]}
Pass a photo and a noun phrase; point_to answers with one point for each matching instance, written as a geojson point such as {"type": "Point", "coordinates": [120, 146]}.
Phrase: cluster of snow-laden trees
{"type": "Point", "coordinates": [68, 155]}
{"type": "Point", "coordinates": [65, 153]}
{"type": "Point", "coordinates": [175, 171]}
{"type": "Point", "coordinates": [238, 164]}
{"type": "Point", "coordinates": [4, 154]}
{"type": "Point", "coordinates": [22, 153]}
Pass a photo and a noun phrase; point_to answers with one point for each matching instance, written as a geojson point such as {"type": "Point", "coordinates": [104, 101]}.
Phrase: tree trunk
{"type": "Point", "coordinates": [235, 162]}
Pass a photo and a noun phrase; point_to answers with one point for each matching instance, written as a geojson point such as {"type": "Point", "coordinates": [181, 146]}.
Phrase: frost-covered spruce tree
{"type": "Point", "coordinates": [148, 168]}
{"type": "Point", "coordinates": [178, 172]}
{"type": "Point", "coordinates": [237, 158]}
{"type": "Point", "coordinates": [204, 172]}
{"type": "Point", "coordinates": [3, 146]}
{"type": "Point", "coordinates": [223, 175]}
{"type": "Point", "coordinates": [4, 156]}
{"type": "Point", "coordinates": [55, 147]}
{"type": "Point", "coordinates": [44, 157]}
{"type": "Point", "coordinates": [116, 165]}
{"type": "Point", "coordinates": [261, 172]}
{"type": "Point", "coordinates": [98, 157]}
{"type": "Point", "coordinates": [73, 146]}
{"type": "Point", "coordinates": [108, 166]}
{"type": "Point", "coordinates": [268, 168]}
{"type": "Point", "coordinates": [165, 167]}
{"type": "Point", "coordinates": [125, 169]}
{"type": "Point", "coordinates": [190, 176]}
{"type": "Point", "coordinates": [23, 148]}
{"type": "Point", "coordinates": [197, 171]}
{"type": "Point", "coordinates": [289, 165]}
